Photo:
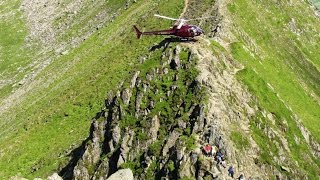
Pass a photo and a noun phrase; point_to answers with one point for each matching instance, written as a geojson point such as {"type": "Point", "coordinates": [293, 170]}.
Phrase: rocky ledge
{"type": "Point", "coordinates": [155, 125]}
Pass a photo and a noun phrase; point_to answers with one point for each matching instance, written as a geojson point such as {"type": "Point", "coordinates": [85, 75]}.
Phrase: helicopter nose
{"type": "Point", "coordinates": [200, 31]}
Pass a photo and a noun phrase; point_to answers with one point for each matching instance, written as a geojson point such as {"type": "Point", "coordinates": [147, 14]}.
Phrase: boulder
{"type": "Point", "coordinates": [123, 174]}
{"type": "Point", "coordinates": [54, 176]}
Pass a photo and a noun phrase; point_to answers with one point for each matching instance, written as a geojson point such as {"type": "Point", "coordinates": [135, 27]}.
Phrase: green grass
{"type": "Point", "coordinates": [72, 89]}
{"type": "Point", "coordinates": [289, 62]}
{"type": "Point", "coordinates": [268, 100]}
{"type": "Point", "coordinates": [282, 72]}
{"type": "Point", "coordinates": [189, 142]}
{"type": "Point", "coordinates": [240, 140]}
{"type": "Point", "coordinates": [13, 53]}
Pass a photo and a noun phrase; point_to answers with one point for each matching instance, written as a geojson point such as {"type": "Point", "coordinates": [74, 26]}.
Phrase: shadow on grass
{"type": "Point", "coordinates": [76, 154]}
{"type": "Point", "coordinates": [165, 43]}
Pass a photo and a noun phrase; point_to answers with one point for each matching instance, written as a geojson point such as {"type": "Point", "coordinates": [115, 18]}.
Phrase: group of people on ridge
{"type": "Point", "coordinates": [219, 157]}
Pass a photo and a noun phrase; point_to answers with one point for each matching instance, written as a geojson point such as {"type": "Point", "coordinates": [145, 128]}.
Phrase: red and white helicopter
{"type": "Point", "coordinates": [180, 29]}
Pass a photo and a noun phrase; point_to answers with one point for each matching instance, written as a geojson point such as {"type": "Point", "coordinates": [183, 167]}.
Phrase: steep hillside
{"type": "Point", "coordinates": [249, 87]}
{"type": "Point", "coordinates": [65, 83]}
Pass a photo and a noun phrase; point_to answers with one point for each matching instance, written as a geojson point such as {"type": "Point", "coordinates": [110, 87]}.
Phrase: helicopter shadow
{"type": "Point", "coordinates": [165, 43]}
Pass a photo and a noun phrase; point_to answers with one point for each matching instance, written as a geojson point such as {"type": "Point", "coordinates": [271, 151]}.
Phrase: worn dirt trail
{"type": "Point", "coordinates": [186, 4]}
{"type": "Point", "coordinates": [217, 74]}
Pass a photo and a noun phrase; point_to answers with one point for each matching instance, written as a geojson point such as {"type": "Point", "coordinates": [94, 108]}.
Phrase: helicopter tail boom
{"type": "Point", "coordinates": [138, 32]}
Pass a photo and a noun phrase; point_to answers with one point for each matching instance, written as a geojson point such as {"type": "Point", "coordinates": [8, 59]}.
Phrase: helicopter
{"type": "Point", "coordinates": [180, 28]}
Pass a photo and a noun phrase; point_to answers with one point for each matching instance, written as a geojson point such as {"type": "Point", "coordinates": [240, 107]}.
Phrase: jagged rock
{"type": "Point", "coordinates": [54, 176]}
{"type": "Point", "coordinates": [151, 104]}
{"type": "Point", "coordinates": [123, 174]}
{"type": "Point", "coordinates": [102, 171]}
{"type": "Point", "coordinates": [134, 79]}
{"type": "Point", "coordinates": [125, 96]}
{"type": "Point", "coordinates": [146, 87]}
{"type": "Point", "coordinates": [121, 160]}
{"type": "Point", "coordinates": [115, 114]}
{"type": "Point", "coordinates": [138, 103]}
{"type": "Point", "coordinates": [110, 99]}
{"type": "Point", "coordinates": [116, 134]}
{"type": "Point", "coordinates": [187, 169]}
{"type": "Point", "coordinates": [81, 173]}
{"type": "Point", "coordinates": [110, 145]}
{"type": "Point", "coordinates": [91, 154]}
{"type": "Point", "coordinates": [150, 76]}
{"type": "Point", "coordinates": [122, 111]}
{"type": "Point", "coordinates": [155, 125]}
{"type": "Point", "coordinates": [174, 135]}
{"type": "Point", "coordinates": [180, 154]}
{"type": "Point", "coordinates": [125, 147]}
{"type": "Point", "coordinates": [182, 124]}
{"type": "Point", "coordinates": [200, 120]}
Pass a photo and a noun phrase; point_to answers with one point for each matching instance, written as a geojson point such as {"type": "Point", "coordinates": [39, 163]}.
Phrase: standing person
{"type": "Point", "coordinates": [231, 171]}
{"type": "Point", "coordinates": [219, 159]}
{"type": "Point", "coordinates": [241, 177]}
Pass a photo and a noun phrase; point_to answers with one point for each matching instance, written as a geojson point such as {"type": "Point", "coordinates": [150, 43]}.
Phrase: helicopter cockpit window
{"type": "Point", "coordinates": [199, 30]}
{"type": "Point", "coordinates": [192, 30]}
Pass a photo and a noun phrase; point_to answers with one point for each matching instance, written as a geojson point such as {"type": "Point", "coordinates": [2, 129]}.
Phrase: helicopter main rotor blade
{"type": "Point", "coordinates": [165, 17]}
{"type": "Point", "coordinates": [181, 23]}
{"type": "Point", "coordinates": [200, 18]}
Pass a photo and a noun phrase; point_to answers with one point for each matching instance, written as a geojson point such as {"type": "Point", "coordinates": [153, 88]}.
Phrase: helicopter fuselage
{"type": "Point", "coordinates": [185, 31]}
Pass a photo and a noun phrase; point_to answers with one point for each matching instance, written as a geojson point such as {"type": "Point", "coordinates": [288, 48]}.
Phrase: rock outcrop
{"type": "Point", "coordinates": [153, 125]}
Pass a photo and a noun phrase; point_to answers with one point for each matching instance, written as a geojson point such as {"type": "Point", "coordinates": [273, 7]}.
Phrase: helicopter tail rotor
{"type": "Point", "coordinates": [138, 32]}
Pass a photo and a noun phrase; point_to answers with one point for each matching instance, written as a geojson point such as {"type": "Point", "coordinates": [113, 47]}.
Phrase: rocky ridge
{"type": "Point", "coordinates": [152, 126]}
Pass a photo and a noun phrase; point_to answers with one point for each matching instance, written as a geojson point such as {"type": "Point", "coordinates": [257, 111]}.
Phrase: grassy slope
{"type": "Point", "coordinates": [72, 89]}
{"type": "Point", "coordinates": [274, 55]}
{"type": "Point", "coordinates": [316, 3]}
{"type": "Point", "coordinates": [289, 62]}
{"type": "Point", "coordinates": [13, 53]}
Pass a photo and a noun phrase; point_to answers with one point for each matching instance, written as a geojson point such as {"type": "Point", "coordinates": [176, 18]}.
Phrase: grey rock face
{"type": "Point", "coordinates": [125, 96]}
{"type": "Point", "coordinates": [123, 174]}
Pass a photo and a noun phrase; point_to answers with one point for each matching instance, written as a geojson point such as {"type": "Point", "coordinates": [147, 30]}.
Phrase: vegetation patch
{"type": "Point", "coordinates": [284, 123]}
{"type": "Point", "coordinates": [240, 140]}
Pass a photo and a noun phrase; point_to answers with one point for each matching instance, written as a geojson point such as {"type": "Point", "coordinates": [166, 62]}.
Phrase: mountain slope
{"type": "Point", "coordinates": [250, 86]}
{"type": "Point", "coordinates": [53, 109]}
